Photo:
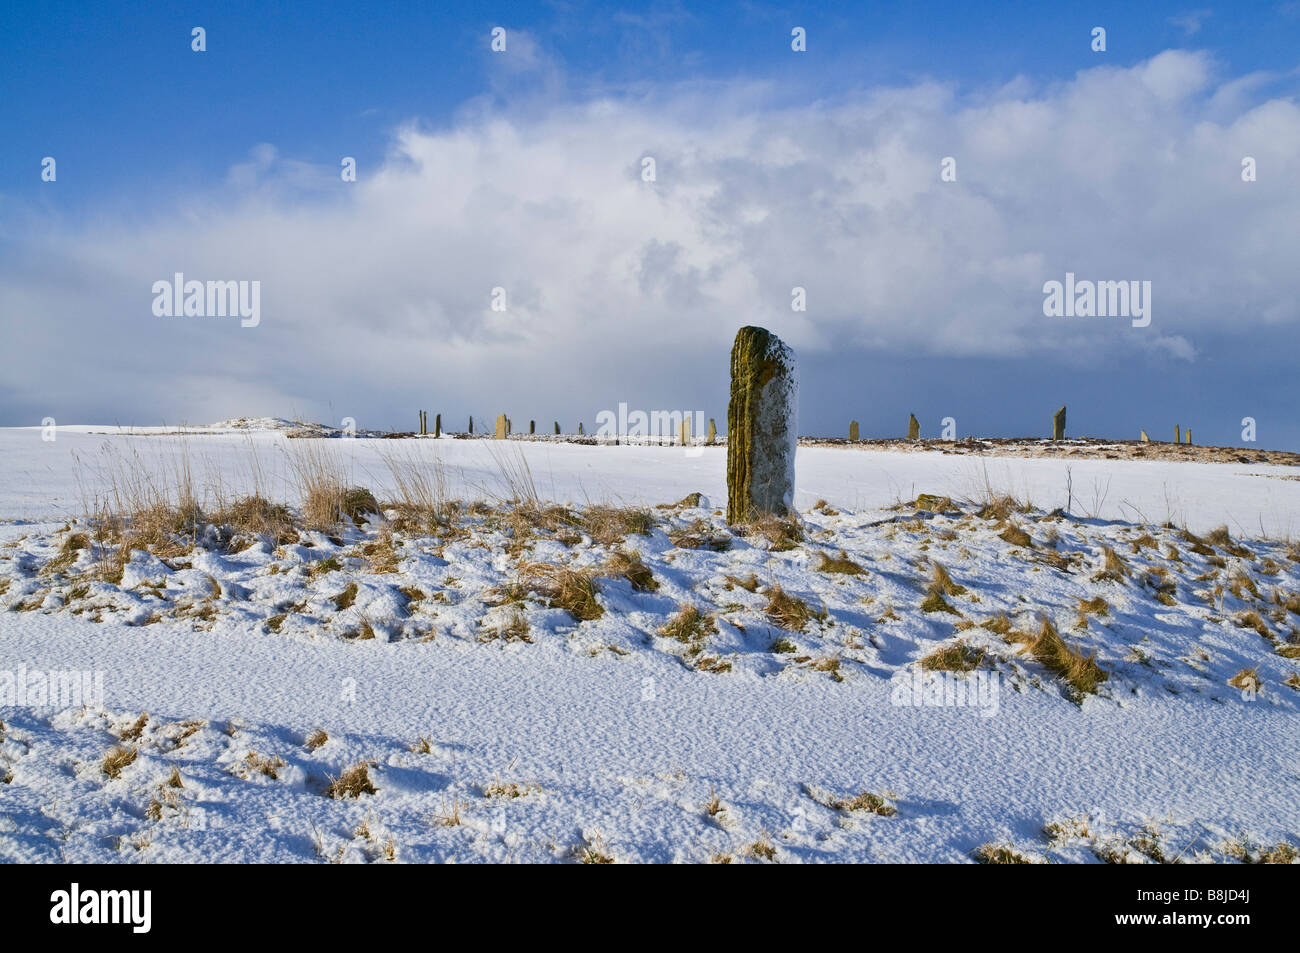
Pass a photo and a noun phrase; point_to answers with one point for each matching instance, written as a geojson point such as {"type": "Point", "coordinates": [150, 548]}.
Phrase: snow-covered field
{"type": "Point", "coordinates": [501, 717]}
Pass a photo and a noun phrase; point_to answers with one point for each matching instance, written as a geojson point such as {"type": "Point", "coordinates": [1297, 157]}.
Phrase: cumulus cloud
{"type": "Point", "coordinates": [376, 295]}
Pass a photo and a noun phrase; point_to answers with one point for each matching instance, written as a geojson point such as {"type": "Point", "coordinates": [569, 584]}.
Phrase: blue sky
{"type": "Point", "coordinates": [776, 169]}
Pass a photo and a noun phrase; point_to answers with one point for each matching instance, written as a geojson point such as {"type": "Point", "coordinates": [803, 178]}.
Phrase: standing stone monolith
{"type": "Point", "coordinates": [580, 433]}
{"type": "Point", "coordinates": [1189, 436]}
{"type": "Point", "coordinates": [532, 427]}
{"type": "Point", "coordinates": [1145, 438]}
{"type": "Point", "coordinates": [471, 426]}
{"type": "Point", "coordinates": [713, 432]}
{"type": "Point", "coordinates": [913, 427]}
{"type": "Point", "coordinates": [503, 427]}
{"type": "Point", "coordinates": [1058, 424]}
{"type": "Point", "coordinates": [1178, 433]}
{"type": "Point", "coordinates": [853, 431]}
{"type": "Point", "coordinates": [762, 426]}
{"type": "Point", "coordinates": [437, 425]}
{"type": "Point", "coordinates": [557, 428]}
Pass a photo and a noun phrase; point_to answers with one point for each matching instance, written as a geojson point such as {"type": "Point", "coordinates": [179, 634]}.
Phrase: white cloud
{"type": "Point", "coordinates": [619, 287]}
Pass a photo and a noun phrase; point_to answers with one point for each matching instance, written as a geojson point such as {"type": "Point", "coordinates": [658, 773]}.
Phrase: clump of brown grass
{"type": "Point", "coordinates": [781, 532]}
{"type": "Point", "coordinates": [1253, 620]}
{"type": "Point", "coordinates": [258, 516]}
{"type": "Point", "coordinates": [1247, 680]}
{"type": "Point", "coordinates": [689, 625]}
{"type": "Point", "coordinates": [352, 783]}
{"type": "Point", "coordinates": [347, 598]}
{"type": "Point", "coordinates": [118, 758]}
{"type": "Point", "coordinates": [1080, 672]}
{"type": "Point", "coordinates": [700, 534]}
{"type": "Point", "coordinates": [420, 482]}
{"type": "Point", "coordinates": [1223, 539]}
{"type": "Point", "coordinates": [935, 602]}
{"type": "Point", "coordinates": [954, 657]}
{"type": "Point", "coordinates": [1114, 569]}
{"type": "Point", "coordinates": [999, 854]}
{"type": "Point", "coordinates": [942, 583]}
{"type": "Point", "coordinates": [1015, 536]}
{"type": "Point", "coordinates": [789, 612]}
{"type": "Point", "coordinates": [571, 589]}
{"type": "Point", "coordinates": [749, 583]}
{"type": "Point", "coordinates": [316, 739]}
{"type": "Point", "coordinates": [608, 525]}
{"type": "Point", "coordinates": [260, 764]}
{"type": "Point", "coordinates": [1097, 606]}
{"type": "Point", "coordinates": [839, 564]}
{"type": "Point", "coordinates": [998, 624]}
{"type": "Point", "coordinates": [628, 565]}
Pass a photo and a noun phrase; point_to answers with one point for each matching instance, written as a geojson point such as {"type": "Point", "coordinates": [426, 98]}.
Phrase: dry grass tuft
{"type": "Point", "coordinates": [1247, 680]}
{"type": "Point", "coordinates": [352, 783]}
{"type": "Point", "coordinates": [609, 525]}
{"type": "Point", "coordinates": [316, 739]}
{"type": "Point", "coordinates": [1114, 569]}
{"type": "Point", "coordinates": [789, 612]}
{"type": "Point", "coordinates": [839, 564]}
{"type": "Point", "coordinates": [955, 657]}
{"type": "Point", "coordinates": [1253, 620]}
{"type": "Point", "coordinates": [118, 757]}
{"type": "Point", "coordinates": [570, 589]}
{"type": "Point", "coordinates": [781, 532]}
{"type": "Point", "coordinates": [999, 854]}
{"type": "Point", "coordinates": [1015, 536]}
{"type": "Point", "coordinates": [700, 534]}
{"type": "Point", "coordinates": [942, 584]}
{"type": "Point", "coordinates": [628, 565]}
{"type": "Point", "coordinates": [1081, 672]}
{"type": "Point", "coordinates": [689, 625]}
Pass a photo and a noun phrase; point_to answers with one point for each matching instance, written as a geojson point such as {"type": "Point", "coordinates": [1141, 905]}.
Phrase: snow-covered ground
{"type": "Point", "coordinates": [497, 725]}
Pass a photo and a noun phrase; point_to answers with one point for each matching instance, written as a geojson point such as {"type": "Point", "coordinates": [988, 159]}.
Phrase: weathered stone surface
{"type": "Point", "coordinates": [684, 432]}
{"type": "Point", "coordinates": [913, 427]}
{"type": "Point", "coordinates": [853, 430]}
{"type": "Point", "coordinates": [503, 427]}
{"type": "Point", "coordinates": [1178, 433]}
{"type": "Point", "coordinates": [580, 433]}
{"type": "Point", "coordinates": [532, 427]}
{"type": "Point", "coordinates": [1058, 424]}
{"type": "Point", "coordinates": [471, 425]}
{"type": "Point", "coordinates": [437, 425]}
{"type": "Point", "coordinates": [1145, 438]}
{"type": "Point", "coordinates": [557, 428]}
{"type": "Point", "coordinates": [762, 426]}
{"type": "Point", "coordinates": [713, 432]}
{"type": "Point", "coordinates": [1189, 436]}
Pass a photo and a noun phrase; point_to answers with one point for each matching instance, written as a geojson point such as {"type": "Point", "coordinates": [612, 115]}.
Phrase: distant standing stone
{"type": "Point", "coordinates": [503, 427]}
{"type": "Point", "coordinates": [853, 431]}
{"type": "Point", "coordinates": [1058, 424]}
{"type": "Point", "coordinates": [913, 427]}
{"type": "Point", "coordinates": [762, 426]}
{"type": "Point", "coordinates": [713, 432]}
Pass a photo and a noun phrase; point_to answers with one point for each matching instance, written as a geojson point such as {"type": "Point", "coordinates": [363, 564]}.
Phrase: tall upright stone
{"type": "Point", "coordinates": [437, 425]}
{"type": "Point", "coordinates": [1058, 424]}
{"type": "Point", "coordinates": [913, 427]}
{"type": "Point", "coordinates": [1145, 438]}
{"type": "Point", "coordinates": [762, 426]}
{"type": "Point", "coordinates": [713, 432]}
{"type": "Point", "coordinates": [1189, 436]}
{"type": "Point", "coordinates": [1178, 433]}
{"type": "Point", "coordinates": [532, 427]}
{"type": "Point", "coordinates": [471, 426]}
{"type": "Point", "coordinates": [580, 433]}
{"type": "Point", "coordinates": [853, 431]}
{"type": "Point", "coordinates": [557, 428]}
{"type": "Point", "coordinates": [684, 431]}
{"type": "Point", "coordinates": [503, 427]}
